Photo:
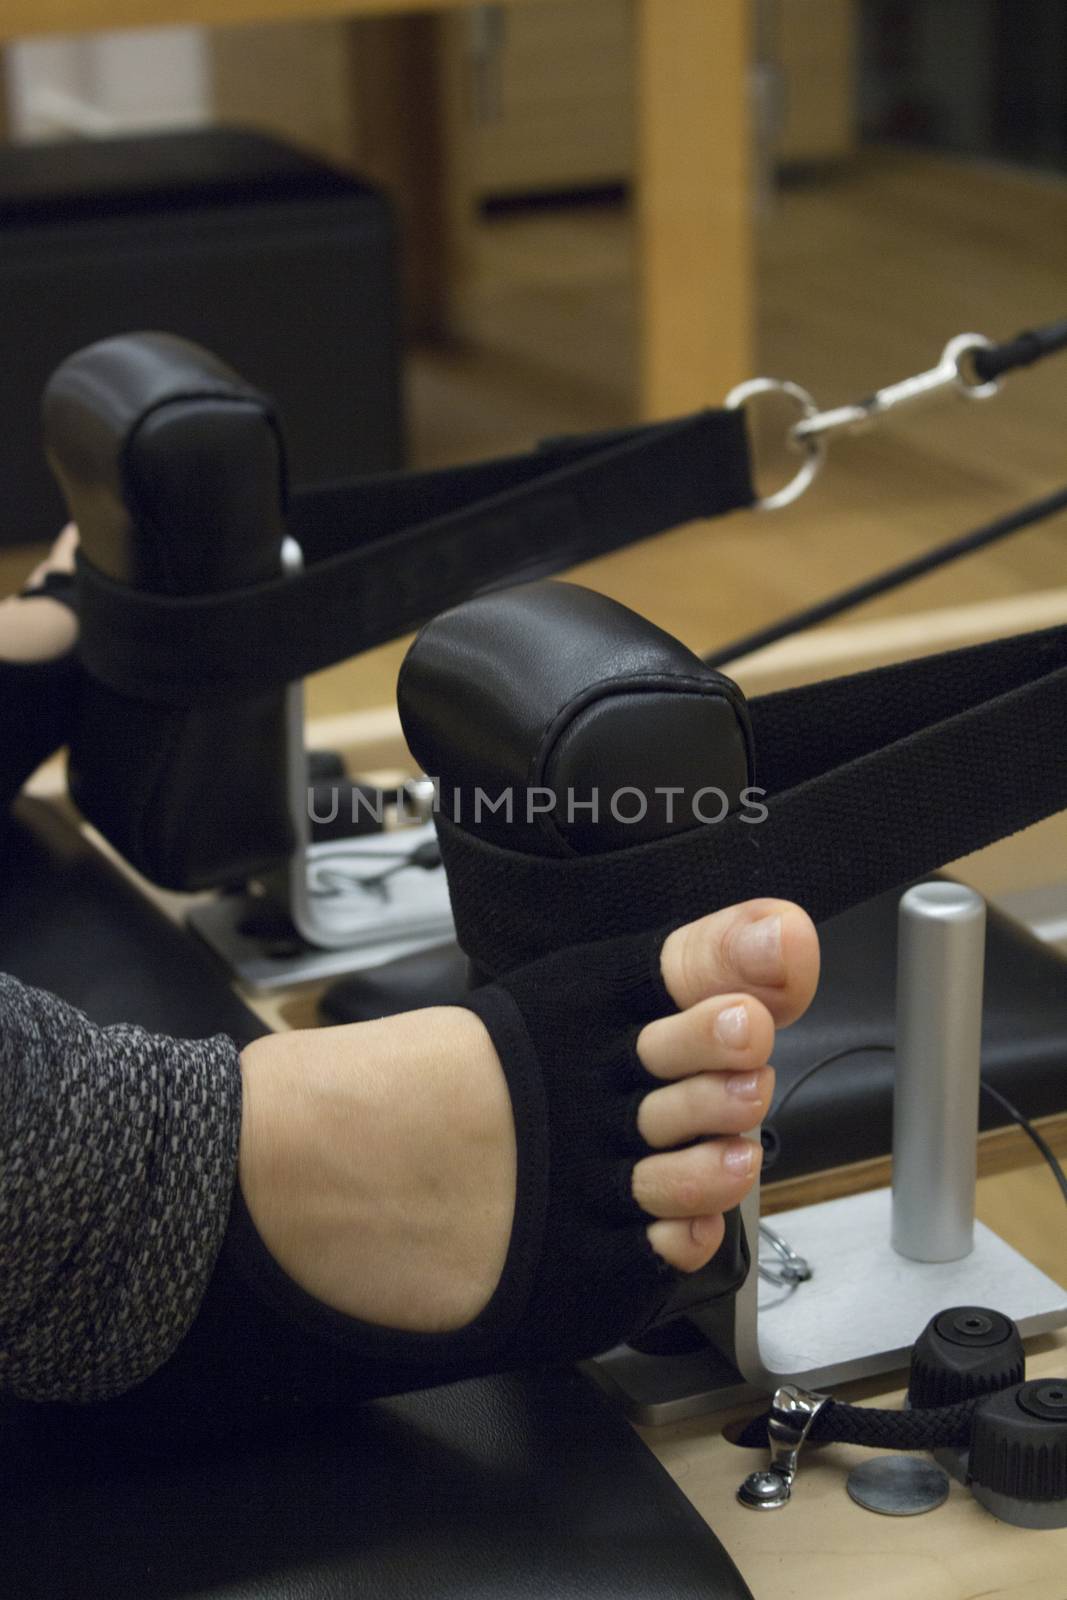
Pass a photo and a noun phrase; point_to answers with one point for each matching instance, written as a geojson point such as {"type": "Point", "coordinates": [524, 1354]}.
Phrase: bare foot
{"type": "Point", "coordinates": [378, 1161]}
{"type": "Point", "coordinates": [36, 627]}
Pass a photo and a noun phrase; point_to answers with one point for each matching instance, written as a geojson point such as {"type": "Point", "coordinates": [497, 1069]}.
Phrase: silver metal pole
{"type": "Point", "coordinates": [940, 962]}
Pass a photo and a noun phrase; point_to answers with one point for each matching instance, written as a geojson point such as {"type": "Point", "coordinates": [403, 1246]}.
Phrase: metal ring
{"type": "Point", "coordinates": [814, 447]}
{"type": "Point", "coordinates": [954, 353]}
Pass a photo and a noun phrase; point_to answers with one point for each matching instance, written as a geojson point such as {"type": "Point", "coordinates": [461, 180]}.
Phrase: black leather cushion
{"type": "Point", "coordinates": [174, 470]}
{"type": "Point", "coordinates": [529, 1487]}
{"type": "Point", "coordinates": [72, 924]}
{"type": "Point", "coordinates": [551, 686]}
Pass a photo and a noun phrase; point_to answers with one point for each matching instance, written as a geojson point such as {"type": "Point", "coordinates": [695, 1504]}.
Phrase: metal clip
{"type": "Point", "coordinates": [792, 1413]}
{"type": "Point", "coordinates": [950, 373]}
{"type": "Point", "coordinates": [814, 428]}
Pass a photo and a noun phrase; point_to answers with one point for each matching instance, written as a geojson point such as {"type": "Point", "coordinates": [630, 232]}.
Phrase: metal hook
{"type": "Point", "coordinates": [793, 1410]}
{"type": "Point", "coordinates": [949, 373]}
{"type": "Point", "coordinates": [813, 430]}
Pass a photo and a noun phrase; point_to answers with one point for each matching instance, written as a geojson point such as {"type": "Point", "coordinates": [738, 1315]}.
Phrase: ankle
{"type": "Point", "coordinates": [378, 1161]}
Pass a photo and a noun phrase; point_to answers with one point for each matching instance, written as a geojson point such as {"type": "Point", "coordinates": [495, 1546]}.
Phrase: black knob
{"type": "Point", "coordinates": [1018, 1461]}
{"type": "Point", "coordinates": [964, 1352]}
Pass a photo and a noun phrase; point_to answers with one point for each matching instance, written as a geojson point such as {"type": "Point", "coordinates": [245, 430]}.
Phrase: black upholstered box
{"type": "Point", "coordinates": [278, 263]}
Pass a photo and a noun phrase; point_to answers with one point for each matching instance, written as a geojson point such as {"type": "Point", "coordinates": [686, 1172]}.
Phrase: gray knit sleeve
{"type": "Point", "coordinates": [118, 1157]}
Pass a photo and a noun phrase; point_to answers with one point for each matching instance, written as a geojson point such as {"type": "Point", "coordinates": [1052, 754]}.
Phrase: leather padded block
{"type": "Point", "coordinates": [526, 1487]}
{"type": "Point", "coordinates": [72, 924]}
{"type": "Point", "coordinates": [174, 470]}
{"type": "Point", "coordinates": [172, 466]}
{"type": "Point", "coordinates": [550, 686]}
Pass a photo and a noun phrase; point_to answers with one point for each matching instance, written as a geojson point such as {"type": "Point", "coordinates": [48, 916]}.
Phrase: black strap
{"type": "Point", "coordinates": [924, 1428]}
{"type": "Point", "coordinates": [1034, 344]}
{"type": "Point", "coordinates": [384, 555]}
{"type": "Point", "coordinates": [872, 780]}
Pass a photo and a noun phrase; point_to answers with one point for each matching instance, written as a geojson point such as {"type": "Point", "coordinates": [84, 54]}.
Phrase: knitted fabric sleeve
{"type": "Point", "coordinates": [118, 1159]}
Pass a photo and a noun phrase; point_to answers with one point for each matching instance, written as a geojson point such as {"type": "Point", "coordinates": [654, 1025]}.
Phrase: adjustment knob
{"type": "Point", "coordinates": [1018, 1457]}
{"type": "Point", "coordinates": [963, 1352]}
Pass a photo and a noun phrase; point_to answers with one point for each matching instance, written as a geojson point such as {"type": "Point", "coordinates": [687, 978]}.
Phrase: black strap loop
{"type": "Point", "coordinates": [872, 780]}
{"type": "Point", "coordinates": [384, 555]}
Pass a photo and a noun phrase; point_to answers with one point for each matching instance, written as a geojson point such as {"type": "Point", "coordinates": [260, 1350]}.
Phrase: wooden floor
{"type": "Point", "coordinates": [864, 274]}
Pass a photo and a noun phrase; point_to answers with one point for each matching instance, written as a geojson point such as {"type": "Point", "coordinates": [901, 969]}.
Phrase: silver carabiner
{"type": "Point", "coordinates": [950, 373]}
{"type": "Point", "coordinates": [814, 428]}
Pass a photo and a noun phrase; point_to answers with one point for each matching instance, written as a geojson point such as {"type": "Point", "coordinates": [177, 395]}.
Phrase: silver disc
{"type": "Point", "coordinates": [898, 1486]}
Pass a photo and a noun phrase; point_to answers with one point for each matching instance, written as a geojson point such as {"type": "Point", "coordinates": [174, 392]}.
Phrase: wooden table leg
{"type": "Point", "coordinates": [695, 223]}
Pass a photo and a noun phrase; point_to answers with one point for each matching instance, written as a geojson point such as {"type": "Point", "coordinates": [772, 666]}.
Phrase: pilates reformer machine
{"type": "Point", "coordinates": [208, 593]}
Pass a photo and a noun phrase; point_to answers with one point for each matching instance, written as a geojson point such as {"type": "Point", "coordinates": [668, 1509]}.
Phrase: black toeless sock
{"type": "Point", "coordinates": [580, 1275]}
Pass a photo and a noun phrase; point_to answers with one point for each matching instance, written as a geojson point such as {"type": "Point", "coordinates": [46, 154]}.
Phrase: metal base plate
{"type": "Point", "coordinates": [866, 1305]}
{"type": "Point", "coordinates": [858, 1316]}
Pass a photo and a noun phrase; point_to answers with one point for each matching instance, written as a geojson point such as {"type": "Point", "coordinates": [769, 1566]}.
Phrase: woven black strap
{"type": "Point", "coordinates": [929, 1428]}
{"type": "Point", "coordinates": [872, 780]}
{"type": "Point", "coordinates": [384, 555]}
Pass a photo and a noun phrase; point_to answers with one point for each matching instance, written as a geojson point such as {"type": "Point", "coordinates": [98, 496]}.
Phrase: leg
{"type": "Point", "coordinates": [390, 1174]}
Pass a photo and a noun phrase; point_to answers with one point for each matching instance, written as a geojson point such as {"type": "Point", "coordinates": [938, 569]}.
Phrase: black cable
{"type": "Point", "coordinates": [1033, 344]}
{"type": "Point", "coordinates": [773, 1142]}
{"type": "Point", "coordinates": [1032, 1133]}
{"type": "Point", "coordinates": [426, 855]}
{"type": "Point", "coordinates": [892, 578]}
{"type": "Point", "coordinates": [826, 1061]}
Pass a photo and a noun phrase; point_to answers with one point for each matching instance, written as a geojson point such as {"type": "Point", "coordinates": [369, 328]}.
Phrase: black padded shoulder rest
{"type": "Point", "coordinates": [601, 727]}
{"type": "Point", "coordinates": [171, 465]}
{"type": "Point", "coordinates": [174, 470]}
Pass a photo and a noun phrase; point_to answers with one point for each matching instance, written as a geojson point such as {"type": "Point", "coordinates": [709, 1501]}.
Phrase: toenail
{"type": "Point", "coordinates": [732, 1026]}
{"type": "Point", "coordinates": [758, 951]}
{"type": "Point", "coordinates": [745, 1085]}
{"type": "Point", "coordinates": [737, 1158]}
{"type": "Point", "coordinates": [704, 1230]}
